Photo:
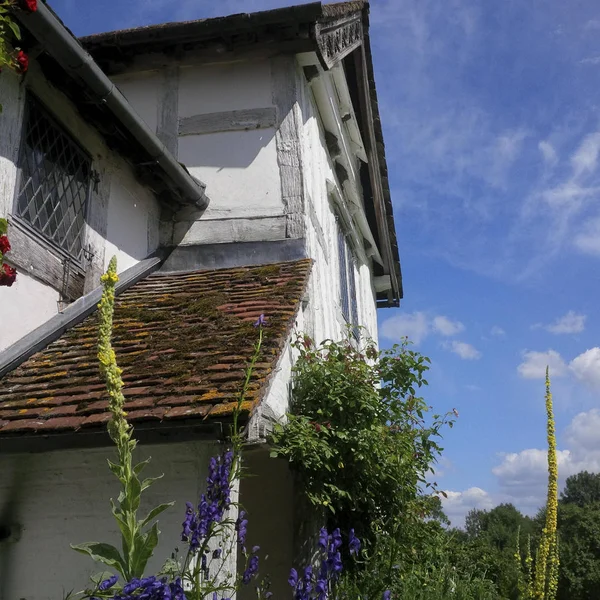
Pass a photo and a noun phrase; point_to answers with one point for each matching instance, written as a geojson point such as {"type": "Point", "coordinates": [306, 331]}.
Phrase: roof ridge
{"type": "Point", "coordinates": [53, 328]}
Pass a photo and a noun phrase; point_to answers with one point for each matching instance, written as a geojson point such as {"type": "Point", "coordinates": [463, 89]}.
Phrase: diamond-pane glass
{"type": "Point", "coordinates": [343, 275]}
{"type": "Point", "coordinates": [55, 177]}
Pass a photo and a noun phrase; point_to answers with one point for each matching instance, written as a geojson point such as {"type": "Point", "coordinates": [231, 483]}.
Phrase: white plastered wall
{"type": "Point", "coordinates": [62, 498]}
{"type": "Point", "coordinates": [239, 167]}
{"type": "Point", "coordinates": [122, 215]}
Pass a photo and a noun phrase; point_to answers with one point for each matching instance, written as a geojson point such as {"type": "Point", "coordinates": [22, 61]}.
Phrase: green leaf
{"type": "Point", "coordinates": [15, 29]}
{"type": "Point", "coordinates": [104, 553]}
{"type": "Point", "coordinates": [140, 466]}
{"type": "Point", "coordinates": [155, 512]}
{"type": "Point", "coordinates": [149, 481]}
{"type": "Point", "coordinates": [3, 226]}
{"type": "Point", "coordinates": [144, 548]}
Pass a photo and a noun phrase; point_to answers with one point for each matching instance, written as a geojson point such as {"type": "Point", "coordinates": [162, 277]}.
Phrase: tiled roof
{"type": "Point", "coordinates": [183, 341]}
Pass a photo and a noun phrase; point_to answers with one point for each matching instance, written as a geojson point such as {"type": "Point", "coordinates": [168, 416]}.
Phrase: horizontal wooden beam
{"type": "Point", "coordinates": [34, 258]}
{"type": "Point", "coordinates": [231, 120]}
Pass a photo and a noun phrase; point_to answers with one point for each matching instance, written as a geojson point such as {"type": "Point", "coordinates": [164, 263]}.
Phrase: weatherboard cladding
{"type": "Point", "coordinates": [183, 341]}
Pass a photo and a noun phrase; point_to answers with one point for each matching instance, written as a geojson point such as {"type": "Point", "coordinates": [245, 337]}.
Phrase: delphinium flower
{"type": "Point", "coordinates": [212, 505]}
{"type": "Point", "coordinates": [252, 567]}
{"type": "Point", "coordinates": [353, 543]}
{"type": "Point", "coordinates": [241, 526]}
{"type": "Point", "coordinates": [317, 586]}
{"type": "Point", "coordinates": [148, 588]}
{"type": "Point", "coordinates": [261, 321]}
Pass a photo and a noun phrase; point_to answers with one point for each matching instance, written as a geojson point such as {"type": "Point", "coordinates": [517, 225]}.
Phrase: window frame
{"type": "Point", "coordinates": [33, 101]}
{"type": "Point", "coordinates": [348, 285]}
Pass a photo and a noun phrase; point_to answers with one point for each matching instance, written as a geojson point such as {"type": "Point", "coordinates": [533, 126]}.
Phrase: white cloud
{"type": "Point", "coordinates": [569, 323]}
{"type": "Point", "coordinates": [418, 325]}
{"type": "Point", "coordinates": [458, 504]}
{"type": "Point", "coordinates": [415, 326]}
{"type": "Point", "coordinates": [534, 364]}
{"type": "Point", "coordinates": [523, 476]}
{"type": "Point", "coordinates": [548, 152]}
{"type": "Point", "coordinates": [585, 158]}
{"type": "Point", "coordinates": [446, 326]}
{"type": "Point", "coordinates": [583, 433]}
{"type": "Point", "coordinates": [497, 331]}
{"type": "Point", "coordinates": [462, 349]}
{"type": "Point", "coordinates": [586, 367]}
{"type": "Point", "coordinates": [588, 239]}
{"type": "Point", "coordinates": [590, 60]}
{"type": "Point", "coordinates": [568, 195]}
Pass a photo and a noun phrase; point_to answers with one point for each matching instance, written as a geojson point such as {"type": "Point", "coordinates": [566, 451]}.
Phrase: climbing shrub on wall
{"type": "Point", "coordinates": [359, 436]}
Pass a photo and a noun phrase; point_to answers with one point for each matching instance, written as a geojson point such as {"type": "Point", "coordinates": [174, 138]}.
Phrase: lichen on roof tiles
{"type": "Point", "coordinates": [183, 341]}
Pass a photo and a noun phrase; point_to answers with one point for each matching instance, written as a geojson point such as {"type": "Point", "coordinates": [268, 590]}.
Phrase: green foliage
{"type": "Point", "coordinates": [358, 435]}
{"type": "Point", "coordinates": [582, 489]}
{"type": "Point", "coordinates": [579, 526]}
{"type": "Point", "coordinates": [436, 571]}
{"type": "Point", "coordinates": [489, 545]}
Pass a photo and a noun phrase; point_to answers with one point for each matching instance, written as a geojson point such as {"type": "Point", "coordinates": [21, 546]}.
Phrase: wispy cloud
{"type": "Point", "coordinates": [584, 368]}
{"type": "Point", "coordinates": [590, 60]}
{"type": "Point", "coordinates": [587, 240]}
{"type": "Point", "coordinates": [572, 322]}
{"type": "Point", "coordinates": [548, 152]}
{"type": "Point", "coordinates": [447, 326]}
{"type": "Point", "coordinates": [463, 349]}
{"type": "Point", "coordinates": [419, 325]}
{"type": "Point", "coordinates": [497, 331]}
{"type": "Point", "coordinates": [534, 364]}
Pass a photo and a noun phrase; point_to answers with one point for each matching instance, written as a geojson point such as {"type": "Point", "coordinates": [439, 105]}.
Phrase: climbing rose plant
{"type": "Point", "coordinates": [8, 274]}
{"type": "Point", "coordinates": [11, 55]}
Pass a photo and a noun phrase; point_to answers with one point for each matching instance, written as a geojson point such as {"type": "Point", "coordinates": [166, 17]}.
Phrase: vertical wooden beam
{"type": "Point", "coordinates": [284, 94]}
{"type": "Point", "coordinates": [167, 122]}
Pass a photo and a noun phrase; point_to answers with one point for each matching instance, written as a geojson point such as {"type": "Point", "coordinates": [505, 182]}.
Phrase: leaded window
{"type": "Point", "coordinates": [348, 295]}
{"type": "Point", "coordinates": [55, 182]}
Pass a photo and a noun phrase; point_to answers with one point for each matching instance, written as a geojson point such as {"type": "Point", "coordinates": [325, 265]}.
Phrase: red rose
{"type": "Point", "coordinates": [7, 275]}
{"type": "Point", "coordinates": [31, 5]}
{"type": "Point", "coordinates": [4, 244]}
{"type": "Point", "coordinates": [23, 61]}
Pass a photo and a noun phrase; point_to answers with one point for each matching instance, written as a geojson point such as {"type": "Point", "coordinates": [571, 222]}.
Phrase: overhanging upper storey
{"type": "Point", "coordinates": [331, 42]}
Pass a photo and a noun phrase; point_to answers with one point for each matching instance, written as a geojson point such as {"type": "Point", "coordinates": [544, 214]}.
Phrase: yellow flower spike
{"type": "Point", "coordinates": [547, 559]}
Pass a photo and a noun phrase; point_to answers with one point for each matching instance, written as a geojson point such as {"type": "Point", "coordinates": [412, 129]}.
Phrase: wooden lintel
{"type": "Point", "coordinates": [231, 120]}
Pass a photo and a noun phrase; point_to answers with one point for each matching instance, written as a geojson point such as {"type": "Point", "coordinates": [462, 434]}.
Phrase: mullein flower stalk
{"type": "Point", "coordinates": [547, 561]}
{"type": "Point", "coordinates": [138, 538]}
{"type": "Point", "coordinates": [528, 593]}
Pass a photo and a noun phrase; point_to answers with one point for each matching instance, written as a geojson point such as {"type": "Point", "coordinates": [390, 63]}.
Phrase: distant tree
{"type": "Point", "coordinates": [581, 489]}
{"type": "Point", "coordinates": [579, 529]}
{"type": "Point", "coordinates": [490, 543]}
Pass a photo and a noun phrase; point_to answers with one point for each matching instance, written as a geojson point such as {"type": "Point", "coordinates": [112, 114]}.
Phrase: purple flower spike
{"type": "Point", "coordinates": [386, 595]}
{"type": "Point", "coordinates": [323, 535]}
{"type": "Point", "coordinates": [261, 321]}
{"type": "Point", "coordinates": [108, 583]}
{"type": "Point", "coordinates": [251, 570]}
{"type": "Point", "coordinates": [293, 578]}
{"type": "Point", "coordinates": [353, 543]}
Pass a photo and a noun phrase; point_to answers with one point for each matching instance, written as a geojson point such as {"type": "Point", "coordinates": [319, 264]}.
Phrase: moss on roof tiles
{"type": "Point", "coordinates": [182, 341]}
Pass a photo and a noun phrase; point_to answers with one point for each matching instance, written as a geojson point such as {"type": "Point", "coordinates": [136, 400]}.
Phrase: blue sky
{"type": "Point", "coordinates": [491, 118]}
